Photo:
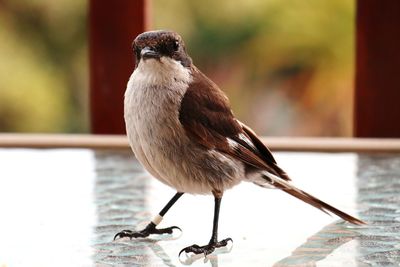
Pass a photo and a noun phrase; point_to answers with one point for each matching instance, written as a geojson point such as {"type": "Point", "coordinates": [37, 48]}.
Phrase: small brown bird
{"type": "Point", "coordinates": [181, 128]}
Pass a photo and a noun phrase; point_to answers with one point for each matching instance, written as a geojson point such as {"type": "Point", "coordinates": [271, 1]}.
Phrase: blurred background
{"type": "Point", "coordinates": [287, 66]}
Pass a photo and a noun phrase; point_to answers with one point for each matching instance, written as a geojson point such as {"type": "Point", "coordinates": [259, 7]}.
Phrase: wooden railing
{"type": "Point", "coordinates": [274, 143]}
{"type": "Point", "coordinates": [377, 90]}
{"type": "Point", "coordinates": [112, 27]}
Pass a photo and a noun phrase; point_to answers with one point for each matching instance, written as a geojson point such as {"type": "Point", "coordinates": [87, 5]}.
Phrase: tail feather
{"type": "Point", "coordinates": [313, 201]}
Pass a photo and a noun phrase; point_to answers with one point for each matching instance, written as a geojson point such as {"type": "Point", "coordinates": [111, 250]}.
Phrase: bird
{"type": "Point", "coordinates": [182, 129]}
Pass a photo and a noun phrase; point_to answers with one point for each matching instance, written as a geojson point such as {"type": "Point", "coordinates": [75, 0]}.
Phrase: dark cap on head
{"type": "Point", "coordinates": [161, 43]}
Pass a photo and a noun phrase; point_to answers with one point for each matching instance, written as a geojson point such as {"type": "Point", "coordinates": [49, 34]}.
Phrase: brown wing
{"type": "Point", "coordinates": [264, 151]}
{"type": "Point", "coordinates": [208, 120]}
{"type": "Point", "coordinates": [206, 115]}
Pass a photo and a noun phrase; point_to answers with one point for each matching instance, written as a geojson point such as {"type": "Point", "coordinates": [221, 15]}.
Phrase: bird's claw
{"type": "Point", "coordinates": [149, 230]}
{"type": "Point", "coordinates": [207, 249]}
{"type": "Point", "coordinates": [128, 233]}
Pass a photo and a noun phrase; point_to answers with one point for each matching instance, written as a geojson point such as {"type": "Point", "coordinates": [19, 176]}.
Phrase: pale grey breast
{"type": "Point", "coordinates": [160, 142]}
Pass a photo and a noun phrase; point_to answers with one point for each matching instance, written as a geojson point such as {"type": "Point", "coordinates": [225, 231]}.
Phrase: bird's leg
{"type": "Point", "coordinates": [214, 243]}
{"type": "Point", "coordinates": [151, 227]}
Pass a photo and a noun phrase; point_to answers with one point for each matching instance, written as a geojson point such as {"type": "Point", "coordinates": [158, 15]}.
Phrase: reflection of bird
{"type": "Point", "coordinates": [321, 245]}
{"type": "Point", "coordinates": [181, 128]}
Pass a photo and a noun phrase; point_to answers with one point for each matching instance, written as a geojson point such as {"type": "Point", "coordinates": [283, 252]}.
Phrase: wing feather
{"type": "Point", "coordinates": [207, 118]}
{"type": "Point", "coordinates": [206, 115]}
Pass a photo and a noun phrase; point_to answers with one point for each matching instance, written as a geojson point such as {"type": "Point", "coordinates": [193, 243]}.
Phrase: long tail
{"type": "Point", "coordinates": [300, 194]}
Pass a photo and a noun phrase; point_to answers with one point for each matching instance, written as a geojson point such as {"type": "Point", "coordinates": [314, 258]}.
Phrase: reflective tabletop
{"type": "Point", "coordinates": [62, 207]}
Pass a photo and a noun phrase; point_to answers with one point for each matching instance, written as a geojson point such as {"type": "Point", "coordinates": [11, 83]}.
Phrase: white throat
{"type": "Point", "coordinates": [162, 72]}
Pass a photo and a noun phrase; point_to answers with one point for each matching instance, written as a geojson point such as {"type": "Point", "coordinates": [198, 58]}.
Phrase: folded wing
{"type": "Point", "coordinates": [206, 116]}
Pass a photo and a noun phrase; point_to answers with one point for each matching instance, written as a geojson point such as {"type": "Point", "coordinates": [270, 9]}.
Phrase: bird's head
{"type": "Point", "coordinates": [159, 45]}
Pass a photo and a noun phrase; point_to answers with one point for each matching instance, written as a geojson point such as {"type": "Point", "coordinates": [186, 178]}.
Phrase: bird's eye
{"type": "Point", "coordinates": [176, 45]}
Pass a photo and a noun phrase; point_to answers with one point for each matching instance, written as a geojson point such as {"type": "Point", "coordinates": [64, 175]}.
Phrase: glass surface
{"type": "Point", "coordinates": [62, 207]}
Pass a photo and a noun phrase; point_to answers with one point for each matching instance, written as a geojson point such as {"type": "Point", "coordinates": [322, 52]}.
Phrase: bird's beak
{"type": "Point", "coordinates": [147, 52]}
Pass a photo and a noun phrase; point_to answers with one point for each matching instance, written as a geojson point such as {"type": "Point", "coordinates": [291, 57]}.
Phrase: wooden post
{"type": "Point", "coordinates": [377, 94]}
{"type": "Point", "coordinates": [112, 27]}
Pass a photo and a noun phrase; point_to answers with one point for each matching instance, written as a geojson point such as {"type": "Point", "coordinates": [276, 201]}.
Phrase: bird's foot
{"type": "Point", "coordinates": [149, 230]}
{"type": "Point", "coordinates": [207, 249]}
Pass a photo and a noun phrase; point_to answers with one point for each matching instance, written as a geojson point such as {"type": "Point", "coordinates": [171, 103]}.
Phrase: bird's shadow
{"type": "Point", "coordinates": [186, 259]}
{"type": "Point", "coordinates": [317, 247]}
{"type": "Point", "coordinates": [189, 259]}
{"type": "Point", "coordinates": [159, 251]}
{"type": "Point", "coordinates": [320, 245]}
{"type": "Point", "coordinates": [157, 247]}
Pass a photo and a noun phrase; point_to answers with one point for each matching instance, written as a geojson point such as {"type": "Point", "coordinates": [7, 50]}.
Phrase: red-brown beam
{"type": "Point", "coordinates": [377, 94]}
{"type": "Point", "coordinates": [112, 28]}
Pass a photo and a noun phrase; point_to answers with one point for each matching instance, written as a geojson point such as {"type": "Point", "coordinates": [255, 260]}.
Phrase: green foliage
{"type": "Point", "coordinates": [286, 65]}
{"type": "Point", "coordinates": [43, 76]}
